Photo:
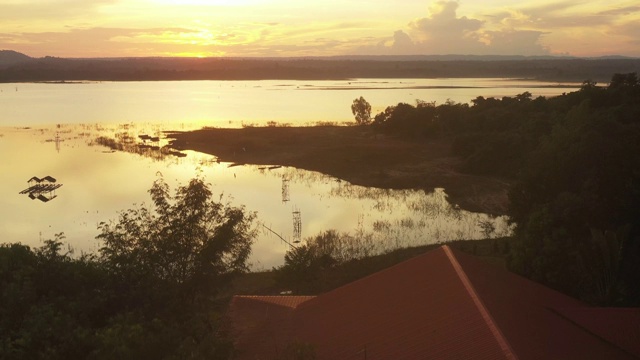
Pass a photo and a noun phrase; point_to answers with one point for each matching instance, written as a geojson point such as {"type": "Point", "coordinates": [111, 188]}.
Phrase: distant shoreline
{"type": "Point", "coordinates": [557, 85]}
{"type": "Point", "coordinates": [49, 69]}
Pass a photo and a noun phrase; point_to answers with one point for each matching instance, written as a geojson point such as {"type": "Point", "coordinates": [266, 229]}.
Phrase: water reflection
{"type": "Point", "coordinates": [42, 189]}
{"type": "Point", "coordinates": [285, 189]}
{"type": "Point", "coordinates": [125, 142]}
{"type": "Point", "coordinates": [294, 204]}
{"type": "Point", "coordinates": [395, 218]}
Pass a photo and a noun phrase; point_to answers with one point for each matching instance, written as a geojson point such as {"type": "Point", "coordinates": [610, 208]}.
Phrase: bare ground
{"type": "Point", "coordinates": [354, 154]}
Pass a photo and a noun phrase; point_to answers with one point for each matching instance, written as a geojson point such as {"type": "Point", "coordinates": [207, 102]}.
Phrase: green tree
{"type": "Point", "coordinates": [50, 302]}
{"type": "Point", "coordinates": [580, 182]}
{"type": "Point", "coordinates": [361, 109]}
{"type": "Point", "coordinates": [305, 268]}
{"type": "Point", "coordinates": [190, 240]}
{"type": "Point", "coordinates": [165, 265]}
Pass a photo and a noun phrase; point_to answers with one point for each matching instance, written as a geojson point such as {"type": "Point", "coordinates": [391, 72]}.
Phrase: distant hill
{"type": "Point", "coordinates": [450, 57]}
{"type": "Point", "coordinates": [10, 57]}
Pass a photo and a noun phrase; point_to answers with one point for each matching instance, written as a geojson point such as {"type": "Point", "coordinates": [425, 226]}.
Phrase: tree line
{"type": "Point", "coordinates": [330, 68]}
{"type": "Point", "coordinates": [574, 162]}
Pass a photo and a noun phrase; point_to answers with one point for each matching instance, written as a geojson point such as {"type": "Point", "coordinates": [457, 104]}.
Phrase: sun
{"type": "Point", "coordinates": [198, 55]}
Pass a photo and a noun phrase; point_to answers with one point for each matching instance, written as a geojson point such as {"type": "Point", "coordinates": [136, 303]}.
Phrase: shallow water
{"type": "Point", "coordinates": [97, 183]}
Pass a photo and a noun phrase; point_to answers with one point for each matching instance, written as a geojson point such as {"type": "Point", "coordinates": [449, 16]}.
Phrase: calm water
{"type": "Point", "coordinates": [232, 103]}
{"type": "Point", "coordinates": [98, 183]}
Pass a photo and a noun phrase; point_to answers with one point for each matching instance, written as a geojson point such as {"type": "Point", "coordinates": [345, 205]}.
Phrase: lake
{"type": "Point", "coordinates": [233, 103]}
{"type": "Point", "coordinates": [48, 129]}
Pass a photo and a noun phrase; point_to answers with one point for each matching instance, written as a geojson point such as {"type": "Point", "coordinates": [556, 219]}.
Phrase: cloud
{"type": "Point", "coordinates": [100, 42]}
{"type": "Point", "coordinates": [94, 35]}
{"type": "Point", "coordinates": [629, 29]}
{"type": "Point", "coordinates": [82, 28]}
{"type": "Point", "coordinates": [443, 21]}
{"type": "Point", "coordinates": [401, 43]}
{"type": "Point", "coordinates": [521, 42]}
{"type": "Point", "coordinates": [580, 28]}
{"type": "Point", "coordinates": [444, 32]}
{"type": "Point", "coordinates": [317, 28]}
{"type": "Point", "coordinates": [170, 41]}
{"type": "Point", "coordinates": [561, 15]}
{"type": "Point", "coordinates": [307, 39]}
{"type": "Point", "coordinates": [311, 47]}
{"type": "Point", "coordinates": [628, 10]}
{"type": "Point", "coordinates": [26, 10]}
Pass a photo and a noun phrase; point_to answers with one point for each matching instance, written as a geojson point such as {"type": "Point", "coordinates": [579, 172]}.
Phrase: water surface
{"type": "Point", "coordinates": [233, 103]}
{"type": "Point", "coordinates": [97, 183]}
{"type": "Point", "coordinates": [47, 129]}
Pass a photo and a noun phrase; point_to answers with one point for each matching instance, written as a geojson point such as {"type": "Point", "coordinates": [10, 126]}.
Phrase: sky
{"type": "Point", "coordinates": [273, 28]}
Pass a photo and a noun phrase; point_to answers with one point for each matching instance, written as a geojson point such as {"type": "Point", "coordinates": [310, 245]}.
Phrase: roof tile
{"type": "Point", "coordinates": [441, 305]}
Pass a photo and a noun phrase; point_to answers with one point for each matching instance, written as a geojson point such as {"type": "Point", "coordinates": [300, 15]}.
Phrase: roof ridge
{"type": "Point", "coordinates": [495, 330]}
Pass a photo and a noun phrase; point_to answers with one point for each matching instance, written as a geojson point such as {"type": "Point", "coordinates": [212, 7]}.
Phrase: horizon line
{"type": "Point", "coordinates": [347, 56]}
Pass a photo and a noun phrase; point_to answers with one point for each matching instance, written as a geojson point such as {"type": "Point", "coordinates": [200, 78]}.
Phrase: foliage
{"type": "Point", "coordinates": [361, 109]}
{"type": "Point", "coordinates": [148, 294]}
{"type": "Point", "coordinates": [600, 260]}
{"type": "Point", "coordinates": [192, 242]}
{"type": "Point", "coordinates": [574, 162]}
{"type": "Point", "coordinates": [49, 302]}
{"type": "Point", "coordinates": [583, 180]}
{"type": "Point", "coordinates": [305, 265]}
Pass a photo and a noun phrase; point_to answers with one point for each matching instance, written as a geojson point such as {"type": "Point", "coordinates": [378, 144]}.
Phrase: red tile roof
{"type": "Point", "coordinates": [620, 326]}
{"type": "Point", "coordinates": [526, 312]}
{"type": "Point", "coordinates": [443, 304]}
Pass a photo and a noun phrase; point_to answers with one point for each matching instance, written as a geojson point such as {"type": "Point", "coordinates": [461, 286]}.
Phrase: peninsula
{"type": "Point", "coordinates": [356, 154]}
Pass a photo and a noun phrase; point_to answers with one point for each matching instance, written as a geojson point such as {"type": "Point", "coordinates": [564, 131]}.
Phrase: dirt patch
{"type": "Point", "coordinates": [355, 154]}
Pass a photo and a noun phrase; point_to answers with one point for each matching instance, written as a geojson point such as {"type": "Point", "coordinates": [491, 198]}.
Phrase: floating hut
{"type": "Point", "coordinates": [42, 189]}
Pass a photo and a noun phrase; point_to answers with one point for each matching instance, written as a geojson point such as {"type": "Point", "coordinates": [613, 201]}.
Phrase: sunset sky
{"type": "Point", "coordinates": [117, 28]}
